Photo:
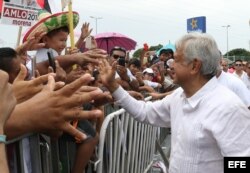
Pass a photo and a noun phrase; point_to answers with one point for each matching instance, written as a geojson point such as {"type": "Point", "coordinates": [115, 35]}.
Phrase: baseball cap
{"type": "Point", "coordinates": [148, 70]}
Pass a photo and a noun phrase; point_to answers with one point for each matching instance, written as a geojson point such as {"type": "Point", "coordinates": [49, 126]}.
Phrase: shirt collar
{"type": "Point", "coordinates": [198, 96]}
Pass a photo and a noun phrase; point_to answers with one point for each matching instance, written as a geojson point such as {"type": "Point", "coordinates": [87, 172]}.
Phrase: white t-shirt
{"type": "Point", "coordinates": [41, 54]}
{"type": "Point", "coordinates": [151, 84]}
{"type": "Point", "coordinates": [130, 75]}
{"type": "Point", "coordinates": [242, 75]}
{"type": "Point", "coordinates": [246, 80]}
{"type": "Point", "coordinates": [206, 127]}
{"type": "Point", "coordinates": [236, 85]}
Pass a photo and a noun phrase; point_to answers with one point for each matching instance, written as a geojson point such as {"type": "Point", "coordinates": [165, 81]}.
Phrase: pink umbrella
{"type": "Point", "coordinates": [108, 40]}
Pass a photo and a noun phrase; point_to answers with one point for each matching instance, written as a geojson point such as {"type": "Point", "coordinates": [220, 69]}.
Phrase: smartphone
{"type": "Point", "coordinates": [88, 42]}
{"type": "Point", "coordinates": [51, 60]}
{"type": "Point", "coordinates": [33, 66]}
{"type": "Point", "coordinates": [122, 62]}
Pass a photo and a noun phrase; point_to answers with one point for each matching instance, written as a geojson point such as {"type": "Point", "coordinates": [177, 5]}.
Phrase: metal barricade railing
{"type": "Point", "coordinates": [125, 145]}
{"type": "Point", "coordinates": [45, 156]}
{"type": "Point", "coordinates": [31, 152]}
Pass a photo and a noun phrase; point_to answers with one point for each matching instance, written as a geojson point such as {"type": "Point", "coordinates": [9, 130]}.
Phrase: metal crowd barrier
{"type": "Point", "coordinates": [32, 153]}
{"type": "Point", "coordinates": [125, 145]}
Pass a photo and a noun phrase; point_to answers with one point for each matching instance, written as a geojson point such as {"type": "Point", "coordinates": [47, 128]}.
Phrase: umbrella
{"type": "Point", "coordinates": [108, 40]}
{"type": "Point", "coordinates": [168, 46]}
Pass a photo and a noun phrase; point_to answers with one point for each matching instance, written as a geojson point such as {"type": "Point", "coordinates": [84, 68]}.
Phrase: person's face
{"type": "Point", "coordinates": [148, 76]}
{"type": "Point", "coordinates": [15, 69]}
{"type": "Point", "coordinates": [133, 69]}
{"type": "Point", "coordinates": [116, 54]}
{"type": "Point", "coordinates": [163, 57]}
{"type": "Point", "coordinates": [248, 69]}
{"type": "Point", "coordinates": [180, 68]}
{"type": "Point", "coordinates": [156, 70]}
{"type": "Point", "coordinates": [23, 57]}
{"type": "Point", "coordinates": [224, 66]}
{"type": "Point", "coordinates": [238, 66]}
{"type": "Point", "coordinates": [244, 66]}
{"type": "Point", "coordinates": [57, 41]}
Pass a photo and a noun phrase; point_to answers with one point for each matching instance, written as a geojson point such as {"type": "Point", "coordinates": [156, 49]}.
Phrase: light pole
{"type": "Point", "coordinates": [227, 26]}
{"type": "Point", "coordinates": [96, 18]}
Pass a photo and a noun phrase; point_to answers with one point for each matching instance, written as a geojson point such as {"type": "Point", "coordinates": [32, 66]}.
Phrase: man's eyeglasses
{"type": "Point", "coordinates": [118, 56]}
{"type": "Point", "coordinates": [238, 65]}
{"type": "Point", "coordinates": [149, 74]}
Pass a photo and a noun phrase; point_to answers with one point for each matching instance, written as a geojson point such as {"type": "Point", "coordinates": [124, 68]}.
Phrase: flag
{"type": "Point", "coordinates": [49, 5]}
{"type": "Point", "coordinates": [1, 5]}
{"type": "Point", "coordinates": [196, 24]}
{"type": "Point", "coordinates": [44, 4]}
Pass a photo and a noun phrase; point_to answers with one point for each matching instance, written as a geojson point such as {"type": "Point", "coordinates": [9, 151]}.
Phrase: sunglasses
{"type": "Point", "coordinates": [149, 74]}
{"type": "Point", "coordinates": [238, 65]}
{"type": "Point", "coordinates": [118, 56]}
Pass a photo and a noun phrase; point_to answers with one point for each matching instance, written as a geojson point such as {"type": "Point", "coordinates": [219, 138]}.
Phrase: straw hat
{"type": "Point", "coordinates": [48, 22]}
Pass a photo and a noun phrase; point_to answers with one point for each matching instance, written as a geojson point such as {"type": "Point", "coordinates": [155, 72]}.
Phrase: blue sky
{"type": "Point", "coordinates": [159, 21]}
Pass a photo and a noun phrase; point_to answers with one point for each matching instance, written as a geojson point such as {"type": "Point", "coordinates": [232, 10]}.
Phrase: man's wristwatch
{"type": "Point", "coordinates": [2, 139]}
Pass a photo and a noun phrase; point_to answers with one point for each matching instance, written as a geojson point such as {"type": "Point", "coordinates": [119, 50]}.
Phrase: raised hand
{"type": "Point", "coordinates": [70, 50]}
{"type": "Point", "coordinates": [107, 75]}
{"type": "Point", "coordinates": [85, 31]}
{"type": "Point", "coordinates": [103, 99]}
{"type": "Point", "coordinates": [122, 71]}
{"type": "Point", "coordinates": [51, 110]}
{"type": "Point", "coordinates": [23, 90]}
{"type": "Point", "coordinates": [139, 77]}
{"type": "Point", "coordinates": [74, 74]}
{"type": "Point", "coordinates": [136, 95]}
{"type": "Point", "coordinates": [91, 56]}
{"type": "Point", "coordinates": [32, 43]}
{"type": "Point", "coordinates": [60, 73]}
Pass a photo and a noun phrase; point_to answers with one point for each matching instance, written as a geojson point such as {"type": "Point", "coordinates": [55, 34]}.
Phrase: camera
{"type": "Point", "coordinates": [121, 61]}
{"type": "Point", "coordinates": [88, 42]}
{"type": "Point", "coordinates": [51, 60]}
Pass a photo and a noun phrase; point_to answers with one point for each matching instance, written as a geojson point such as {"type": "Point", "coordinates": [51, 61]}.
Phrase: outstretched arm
{"type": "Point", "coordinates": [85, 32]}
{"type": "Point", "coordinates": [52, 110]}
{"type": "Point", "coordinates": [67, 61]}
{"type": "Point", "coordinates": [156, 113]}
{"type": "Point", "coordinates": [7, 104]}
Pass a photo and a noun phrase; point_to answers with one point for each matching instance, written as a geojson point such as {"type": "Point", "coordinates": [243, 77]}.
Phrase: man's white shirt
{"type": "Point", "coordinates": [211, 124]}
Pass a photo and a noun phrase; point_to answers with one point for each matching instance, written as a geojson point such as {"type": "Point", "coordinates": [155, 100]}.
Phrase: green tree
{"type": "Point", "coordinates": [239, 52]}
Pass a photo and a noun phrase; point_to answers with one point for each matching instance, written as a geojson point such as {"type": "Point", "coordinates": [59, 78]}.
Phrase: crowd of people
{"type": "Point", "coordinates": [63, 96]}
